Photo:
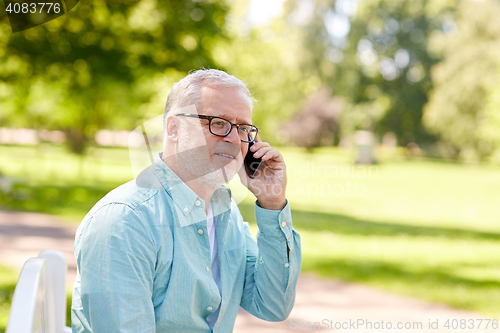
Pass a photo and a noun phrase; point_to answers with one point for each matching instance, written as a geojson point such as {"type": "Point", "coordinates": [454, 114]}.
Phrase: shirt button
{"type": "Point", "coordinates": [186, 209]}
{"type": "Point", "coordinates": [209, 308]}
{"type": "Point", "coordinates": [197, 202]}
{"type": "Point", "coordinates": [208, 269]}
{"type": "Point", "coordinates": [287, 264]}
{"type": "Point", "coordinates": [200, 231]}
{"type": "Point", "coordinates": [283, 224]}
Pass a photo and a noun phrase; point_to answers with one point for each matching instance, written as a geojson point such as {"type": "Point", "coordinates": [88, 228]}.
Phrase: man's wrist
{"type": "Point", "coordinates": [272, 205]}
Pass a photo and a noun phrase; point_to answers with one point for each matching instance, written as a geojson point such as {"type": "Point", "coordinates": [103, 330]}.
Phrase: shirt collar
{"type": "Point", "coordinates": [184, 198]}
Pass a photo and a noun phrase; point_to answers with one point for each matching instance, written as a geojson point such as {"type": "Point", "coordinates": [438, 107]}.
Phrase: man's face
{"type": "Point", "coordinates": [218, 158]}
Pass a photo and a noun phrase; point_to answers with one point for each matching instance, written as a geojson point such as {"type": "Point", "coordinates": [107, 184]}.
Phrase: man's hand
{"type": "Point", "coordinates": [269, 185]}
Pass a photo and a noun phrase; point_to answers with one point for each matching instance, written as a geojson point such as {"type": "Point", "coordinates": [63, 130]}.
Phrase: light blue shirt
{"type": "Point", "coordinates": [144, 263]}
{"type": "Point", "coordinates": [212, 238]}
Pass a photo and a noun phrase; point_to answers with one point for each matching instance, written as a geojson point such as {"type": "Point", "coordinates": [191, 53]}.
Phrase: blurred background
{"type": "Point", "coordinates": [387, 113]}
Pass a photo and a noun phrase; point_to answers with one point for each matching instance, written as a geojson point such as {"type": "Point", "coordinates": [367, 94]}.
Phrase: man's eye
{"type": "Point", "coordinates": [218, 123]}
{"type": "Point", "coordinates": [244, 129]}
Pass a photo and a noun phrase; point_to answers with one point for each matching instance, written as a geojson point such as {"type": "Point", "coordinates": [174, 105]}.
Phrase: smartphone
{"type": "Point", "coordinates": [252, 164]}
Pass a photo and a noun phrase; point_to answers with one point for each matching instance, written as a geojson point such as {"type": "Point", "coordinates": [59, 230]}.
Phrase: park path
{"type": "Point", "coordinates": [24, 235]}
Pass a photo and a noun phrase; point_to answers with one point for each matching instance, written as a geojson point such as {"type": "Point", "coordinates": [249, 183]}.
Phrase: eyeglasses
{"type": "Point", "coordinates": [222, 127]}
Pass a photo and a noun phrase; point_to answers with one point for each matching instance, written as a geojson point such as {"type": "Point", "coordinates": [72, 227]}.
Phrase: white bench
{"type": "Point", "coordinates": [39, 302]}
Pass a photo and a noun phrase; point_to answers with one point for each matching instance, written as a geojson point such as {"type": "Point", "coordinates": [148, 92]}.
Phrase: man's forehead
{"type": "Point", "coordinates": [239, 117]}
{"type": "Point", "coordinates": [226, 102]}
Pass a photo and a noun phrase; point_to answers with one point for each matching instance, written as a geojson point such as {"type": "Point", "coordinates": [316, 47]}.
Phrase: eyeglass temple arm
{"type": "Point", "coordinates": [190, 115]}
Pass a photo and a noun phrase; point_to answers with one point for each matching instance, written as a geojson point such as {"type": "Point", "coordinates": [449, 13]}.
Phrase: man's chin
{"type": "Point", "coordinates": [222, 175]}
{"type": "Point", "coordinates": [217, 173]}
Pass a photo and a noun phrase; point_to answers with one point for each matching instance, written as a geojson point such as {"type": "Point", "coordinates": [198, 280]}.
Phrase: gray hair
{"type": "Point", "coordinates": [188, 90]}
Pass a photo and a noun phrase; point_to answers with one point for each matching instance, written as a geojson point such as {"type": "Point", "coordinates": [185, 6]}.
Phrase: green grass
{"type": "Point", "coordinates": [50, 180]}
{"type": "Point", "coordinates": [458, 267]}
{"type": "Point", "coordinates": [8, 279]}
{"type": "Point", "coordinates": [424, 228]}
{"type": "Point", "coordinates": [419, 192]}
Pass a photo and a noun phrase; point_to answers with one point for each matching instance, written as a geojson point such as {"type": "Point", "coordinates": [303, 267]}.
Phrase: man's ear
{"type": "Point", "coordinates": [172, 128]}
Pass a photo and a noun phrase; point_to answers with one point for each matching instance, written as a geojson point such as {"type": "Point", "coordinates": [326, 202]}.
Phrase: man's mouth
{"type": "Point", "coordinates": [225, 155]}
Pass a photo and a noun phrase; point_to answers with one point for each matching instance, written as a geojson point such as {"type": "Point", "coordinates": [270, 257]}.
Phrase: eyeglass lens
{"type": "Point", "coordinates": [222, 127]}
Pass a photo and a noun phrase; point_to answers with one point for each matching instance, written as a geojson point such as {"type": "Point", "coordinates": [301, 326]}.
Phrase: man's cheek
{"type": "Point", "coordinates": [244, 151]}
{"type": "Point", "coordinates": [241, 158]}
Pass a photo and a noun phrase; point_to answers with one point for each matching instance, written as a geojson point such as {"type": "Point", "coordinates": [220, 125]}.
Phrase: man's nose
{"type": "Point", "coordinates": [233, 135]}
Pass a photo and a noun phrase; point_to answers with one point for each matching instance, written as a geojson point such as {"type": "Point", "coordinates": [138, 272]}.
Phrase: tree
{"type": "Point", "coordinates": [267, 58]}
{"type": "Point", "coordinates": [374, 53]}
{"type": "Point", "coordinates": [317, 123]}
{"type": "Point", "coordinates": [102, 64]}
{"type": "Point", "coordinates": [464, 106]}
{"type": "Point", "coordinates": [489, 125]}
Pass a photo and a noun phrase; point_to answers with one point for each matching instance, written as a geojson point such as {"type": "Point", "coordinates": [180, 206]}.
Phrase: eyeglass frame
{"type": "Point", "coordinates": [210, 118]}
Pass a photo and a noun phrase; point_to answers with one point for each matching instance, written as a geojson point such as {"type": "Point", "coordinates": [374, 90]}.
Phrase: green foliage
{"type": "Point", "coordinates": [8, 279]}
{"type": "Point", "coordinates": [463, 108]}
{"type": "Point", "coordinates": [266, 58]}
{"type": "Point", "coordinates": [381, 67]}
{"type": "Point", "coordinates": [489, 125]}
{"type": "Point", "coordinates": [100, 64]}
{"type": "Point", "coordinates": [317, 123]}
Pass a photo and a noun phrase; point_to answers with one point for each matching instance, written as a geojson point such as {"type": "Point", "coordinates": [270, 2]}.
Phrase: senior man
{"type": "Point", "coordinates": [169, 251]}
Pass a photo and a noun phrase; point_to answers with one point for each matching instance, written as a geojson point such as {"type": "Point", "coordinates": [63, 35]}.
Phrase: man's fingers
{"type": "Point", "coordinates": [262, 151]}
{"type": "Point", "coordinates": [276, 165]}
{"type": "Point", "coordinates": [271, 155]}
{"type": "Point", "coordinates": [257, 145]}
{"type": "Point", "coordinates": [265, 151]}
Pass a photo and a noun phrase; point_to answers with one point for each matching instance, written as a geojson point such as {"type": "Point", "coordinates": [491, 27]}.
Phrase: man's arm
{"type": "Point", "coordinates": [116, 259]}
{"type": "Point", "coordinates": [272, 265]}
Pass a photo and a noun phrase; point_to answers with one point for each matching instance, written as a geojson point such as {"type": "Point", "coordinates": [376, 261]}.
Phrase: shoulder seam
{"type": "Point", "coordinates": [129, 205]}
{"type": "Point", "coordinates": [132, 210]}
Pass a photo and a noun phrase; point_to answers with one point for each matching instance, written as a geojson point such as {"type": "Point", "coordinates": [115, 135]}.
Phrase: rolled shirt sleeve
{"type": "Point", "coordinates": [272, 273]}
